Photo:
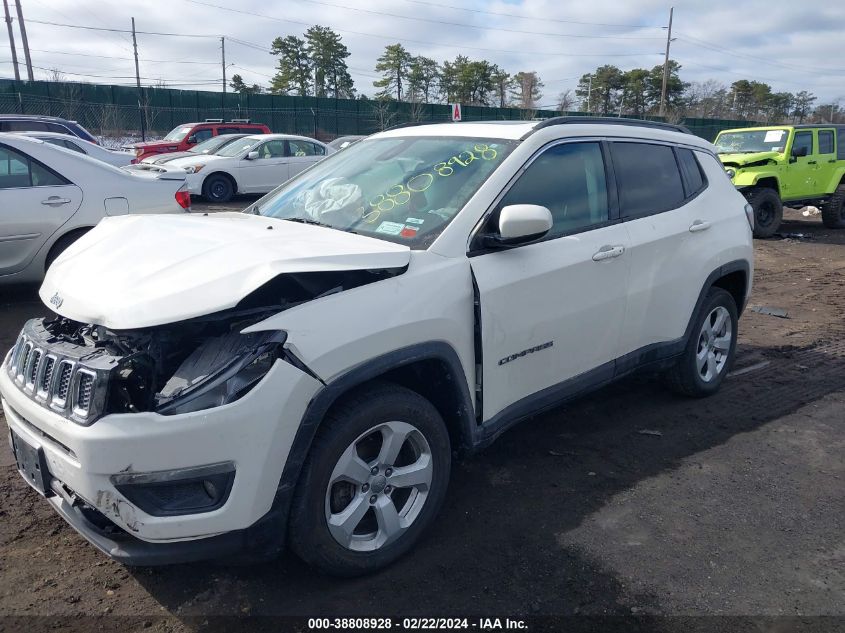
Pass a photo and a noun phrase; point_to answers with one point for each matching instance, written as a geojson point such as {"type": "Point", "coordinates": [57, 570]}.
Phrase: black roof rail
{"type": "Point", "coordinates": [604, 120]}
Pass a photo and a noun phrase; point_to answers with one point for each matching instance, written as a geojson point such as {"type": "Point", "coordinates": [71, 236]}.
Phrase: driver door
{"type": "Point", "coordinates": [266, 172]}
{"type": "Point", "coordinates": [553, 310]}
{"type": "Point", "coordinates": [798, 178]}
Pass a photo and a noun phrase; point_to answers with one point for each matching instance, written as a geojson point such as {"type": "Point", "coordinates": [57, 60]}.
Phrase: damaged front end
{"type": "Point", "coordinates": [85, 371]}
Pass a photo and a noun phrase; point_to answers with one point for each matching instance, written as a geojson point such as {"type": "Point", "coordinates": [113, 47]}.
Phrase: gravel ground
{"type": "Point", "coordinates": [631, 501]}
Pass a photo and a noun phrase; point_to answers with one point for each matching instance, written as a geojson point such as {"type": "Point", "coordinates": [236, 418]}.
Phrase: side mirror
{"type": "Point", "coordinates": [520, 224]}
{"type": "Point", "coordinates": [252, 156]}
{"type": "Point", "coordinates": [797, 152]}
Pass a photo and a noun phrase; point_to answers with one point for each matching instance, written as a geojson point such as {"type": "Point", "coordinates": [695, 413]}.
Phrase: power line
{"type": "Point", "coordinates": [143, 59]}
{"type": "Point", "coordinates": [444, 22]}
{"type": "Point", "coordinates": [525, 17]}
{"type": "Point", "coordinates": [111, 30]}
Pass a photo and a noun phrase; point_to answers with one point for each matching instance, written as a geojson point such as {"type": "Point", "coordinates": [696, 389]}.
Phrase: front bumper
{"type": "Point", "coordinates": [255, 433]}
{"type": "Point", "coordinates": [194, 183]}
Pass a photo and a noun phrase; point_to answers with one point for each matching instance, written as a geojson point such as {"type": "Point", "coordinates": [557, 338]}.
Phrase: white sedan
{"type": "Point", "coordinates": [253, 164]}
{"type": "Point", "coordinates": [118, 158]}
{"type": "Point", "coordinates": [50, 196]}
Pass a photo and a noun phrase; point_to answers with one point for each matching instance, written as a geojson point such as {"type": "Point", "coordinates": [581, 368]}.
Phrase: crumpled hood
{"type": "Point", "coordinates": [140, 271]}
{"type": "Point", "coordinates": [745, 159]}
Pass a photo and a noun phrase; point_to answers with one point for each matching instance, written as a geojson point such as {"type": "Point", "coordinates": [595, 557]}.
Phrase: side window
{"type": "Point", "coordinates": [304, 148]}
{"type": "Point", "coordinates": [74, 147]}
{"type": "Point", "coordinates": [18, 170]}
{"type": "Point", "coordinates": [691, 170]}
{"type": "Point", "coordinates": [26, 126]}
{"type": "Point", "coordinates": [825, 141]}
{"type": "Point", "coordinates": [570, 181]}
{"type": "Point", "coordinates": [272, 149]}
{"type": "Point", "coordinates": [648, 179]}
{"type": "Point", "coordinates": [203, 134]}
{"type": "Point", "coordinates": [55, 127]}
{"type": "Point", "coordinates": [803, 140]}
{"type": "Point", "coordinates": [227, 130]}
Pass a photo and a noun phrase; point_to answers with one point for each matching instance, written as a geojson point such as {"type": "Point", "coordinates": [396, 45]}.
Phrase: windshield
{"type": "Point", "coordinates": [177, 134]}
{"type": "Point", "coordinates": [242, 145]}
{"type": "Point", "coordinates": [752, 141]}
{"type": "Point", "coordinates": [211, 145]}
{"type": "Point", "coordinates": [403, 190]}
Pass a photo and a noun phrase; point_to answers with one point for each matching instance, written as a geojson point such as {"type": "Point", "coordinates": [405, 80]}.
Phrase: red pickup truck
{"type": "Point", "coordinates": [185, 136]}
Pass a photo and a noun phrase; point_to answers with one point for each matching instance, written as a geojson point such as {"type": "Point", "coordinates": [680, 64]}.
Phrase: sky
{"type": "Point", "coordinates": [784, 43]}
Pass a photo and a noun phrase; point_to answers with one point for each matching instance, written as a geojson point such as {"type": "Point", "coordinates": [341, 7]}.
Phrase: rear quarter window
{"type": "Point", "coordinates": [694, 181]}
{"type": "Point", "coordinates": [647, 177]}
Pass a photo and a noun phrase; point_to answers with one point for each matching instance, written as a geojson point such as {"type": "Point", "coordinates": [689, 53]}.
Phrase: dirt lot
{"type": "Point", "coordinates": [734, 505]}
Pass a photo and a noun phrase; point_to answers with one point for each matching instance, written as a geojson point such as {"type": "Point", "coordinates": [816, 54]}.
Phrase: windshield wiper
{"type": "Point", "coordinates": [307, 221]}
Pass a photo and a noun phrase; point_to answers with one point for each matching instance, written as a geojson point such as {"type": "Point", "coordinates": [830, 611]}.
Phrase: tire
{"type": "Point", "coordinates": [710, 350]}
{"type": "Point", "coordinates": [218, 188]}
{"type": "Point", "coordinates": [768, 211]}
{"type": "Point", "coordinates": [59, 247]}
{"type": "Point", "coordinates": [833, 211]}
{"type": "Point", "coordinates": [374, 535]}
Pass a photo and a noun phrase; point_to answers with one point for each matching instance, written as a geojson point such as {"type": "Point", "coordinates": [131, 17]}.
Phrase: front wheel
{"type": "Point", "coordinates": [218, 188]}
{"type": "Point", "coordinates": [768, 211]}
{"type": "Point", "coordinates": [709, 353]}
{"type": "Point", "coordinates": [373, 482]}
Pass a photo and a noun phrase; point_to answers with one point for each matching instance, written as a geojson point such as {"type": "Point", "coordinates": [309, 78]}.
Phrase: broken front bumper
{"type": "Point", "coordinates": [254, 434]}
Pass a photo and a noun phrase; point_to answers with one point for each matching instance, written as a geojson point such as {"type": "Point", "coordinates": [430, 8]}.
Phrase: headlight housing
{"type": "Point", "coordinates": [221, 370]}
{"type": "Point", "coordinates": [194, 169]}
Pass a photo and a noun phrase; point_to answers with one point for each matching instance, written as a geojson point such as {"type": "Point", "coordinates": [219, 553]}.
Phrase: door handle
{"type": "Point", "coordinates": [832, 160]}
{"type": "Point", "coordinates": [811, 162]}
{"type": "Point", "coordinates": [55, 201]}
{"type": "Point", "coordinates": [699, 225]}
{"type": "Point", "coordinates": [608, 252]}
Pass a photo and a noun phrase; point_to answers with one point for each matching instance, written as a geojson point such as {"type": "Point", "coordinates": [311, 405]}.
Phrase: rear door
{"type": "Point", "coordinates": [266, 172]}
{"type": "Point", "coordinates": [826, 161]}
{"type": "Point", "coordinates": [671, 230]}
{"type": "Point", "coordinates": [552, 311]}
{"type": "Point", "coordinates": [303, 154]}
{"type": "Point", "coordinates": [34, 202]}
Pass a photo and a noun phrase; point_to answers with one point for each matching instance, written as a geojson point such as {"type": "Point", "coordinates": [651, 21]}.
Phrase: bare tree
{"type": "Point", "coordinates": [566, 101]}
{"type": "Point", "coordinates": [384, 112]}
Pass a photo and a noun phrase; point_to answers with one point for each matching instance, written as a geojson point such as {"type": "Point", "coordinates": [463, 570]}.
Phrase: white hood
{"type": "Point", "coordinates": [194, 159]}
{"type": "Point", "coordinates": [137, 271]}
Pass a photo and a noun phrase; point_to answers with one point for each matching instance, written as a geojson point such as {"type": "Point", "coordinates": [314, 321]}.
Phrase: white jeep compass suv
{"type": "Point", "coordinates": [301, 373]}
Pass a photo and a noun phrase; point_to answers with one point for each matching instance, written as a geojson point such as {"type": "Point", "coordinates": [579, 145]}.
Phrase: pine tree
{"type": "Point", "coordinates": [294, 70]}
{"type": "Point", "coordinates": [395, 64]}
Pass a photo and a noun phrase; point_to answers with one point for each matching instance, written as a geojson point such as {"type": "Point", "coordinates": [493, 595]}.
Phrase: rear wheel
{"type": "Point", "coordinates": [768, 211]}
{"type": "Point", "coordinates": [710, 350]}
{"type": "Point", "coordinates": [373, 482]}
{"type": "Point", "coordinates": [218, 188]}
{"type": "Point", "coordinates": [833, 211]}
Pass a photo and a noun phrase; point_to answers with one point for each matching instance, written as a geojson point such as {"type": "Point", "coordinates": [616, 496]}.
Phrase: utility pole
{"type": "Point", "coordinates": [12, 40]}
{"type": "Point", "coordinates": [666, 65]}
{"type": "Point", "coordinates": [25, 42]}
{"type": "Point", "coordinates": [138, 82]}
{"type": "Point", "coordinates": [223, 58]}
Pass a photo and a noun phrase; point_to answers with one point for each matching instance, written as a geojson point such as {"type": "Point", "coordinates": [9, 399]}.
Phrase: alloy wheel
{"type": "Point", "coordinates": [714, 344]}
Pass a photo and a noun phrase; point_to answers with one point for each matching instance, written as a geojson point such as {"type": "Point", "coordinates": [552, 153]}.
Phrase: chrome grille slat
{"type": "Point", "coordinates": [32, 368]}
{"type": "Point", "coordinates": [20, 370]}
{"type": "Point", "coordinates": [83, 386]}
{"type": "Point", "coordinates": [45, 377]}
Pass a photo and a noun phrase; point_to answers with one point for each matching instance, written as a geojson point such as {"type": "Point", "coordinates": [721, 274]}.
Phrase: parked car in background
{"type": "Point", "coordinates": [342, 142]}
{"type": "Point", "coordinates": [115, 157]}
{"type": "Point", "coordinates": [301, 373]}
{"type": "Point", "coordinates": [185, 136]}
{"type": "Point", "coordinates": [253, 164]}
{"type": "Point", "coordinates": [211, 146]}
{"type": "Point", "coordinates": [38, 123]}
{"type": "Point", "coordinates": [50, 196]}
{"type": "Point", "coordinates": [796, 165]}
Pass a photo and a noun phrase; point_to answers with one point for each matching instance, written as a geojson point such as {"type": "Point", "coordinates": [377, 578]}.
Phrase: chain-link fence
{"type": "Point", "coordinates": [114, 111]}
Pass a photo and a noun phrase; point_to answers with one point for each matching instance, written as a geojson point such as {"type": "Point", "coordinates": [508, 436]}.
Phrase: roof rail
{"type": "Point", "coordinates": [240, 120]}
{"type": "Point", "coordinates": [412, 124]}
{"type": "Point", "coordinates": [214, 121]}
{"type": "Point", "coordinates": [604, 120]}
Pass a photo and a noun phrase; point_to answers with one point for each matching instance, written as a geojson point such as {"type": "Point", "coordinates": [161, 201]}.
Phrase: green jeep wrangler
{"type": "Point", "coordinates": [797, 165]}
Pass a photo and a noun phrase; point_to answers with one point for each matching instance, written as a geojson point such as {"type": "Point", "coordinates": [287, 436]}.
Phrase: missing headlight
{"type": "Point", "coordinates": [221, 370]}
